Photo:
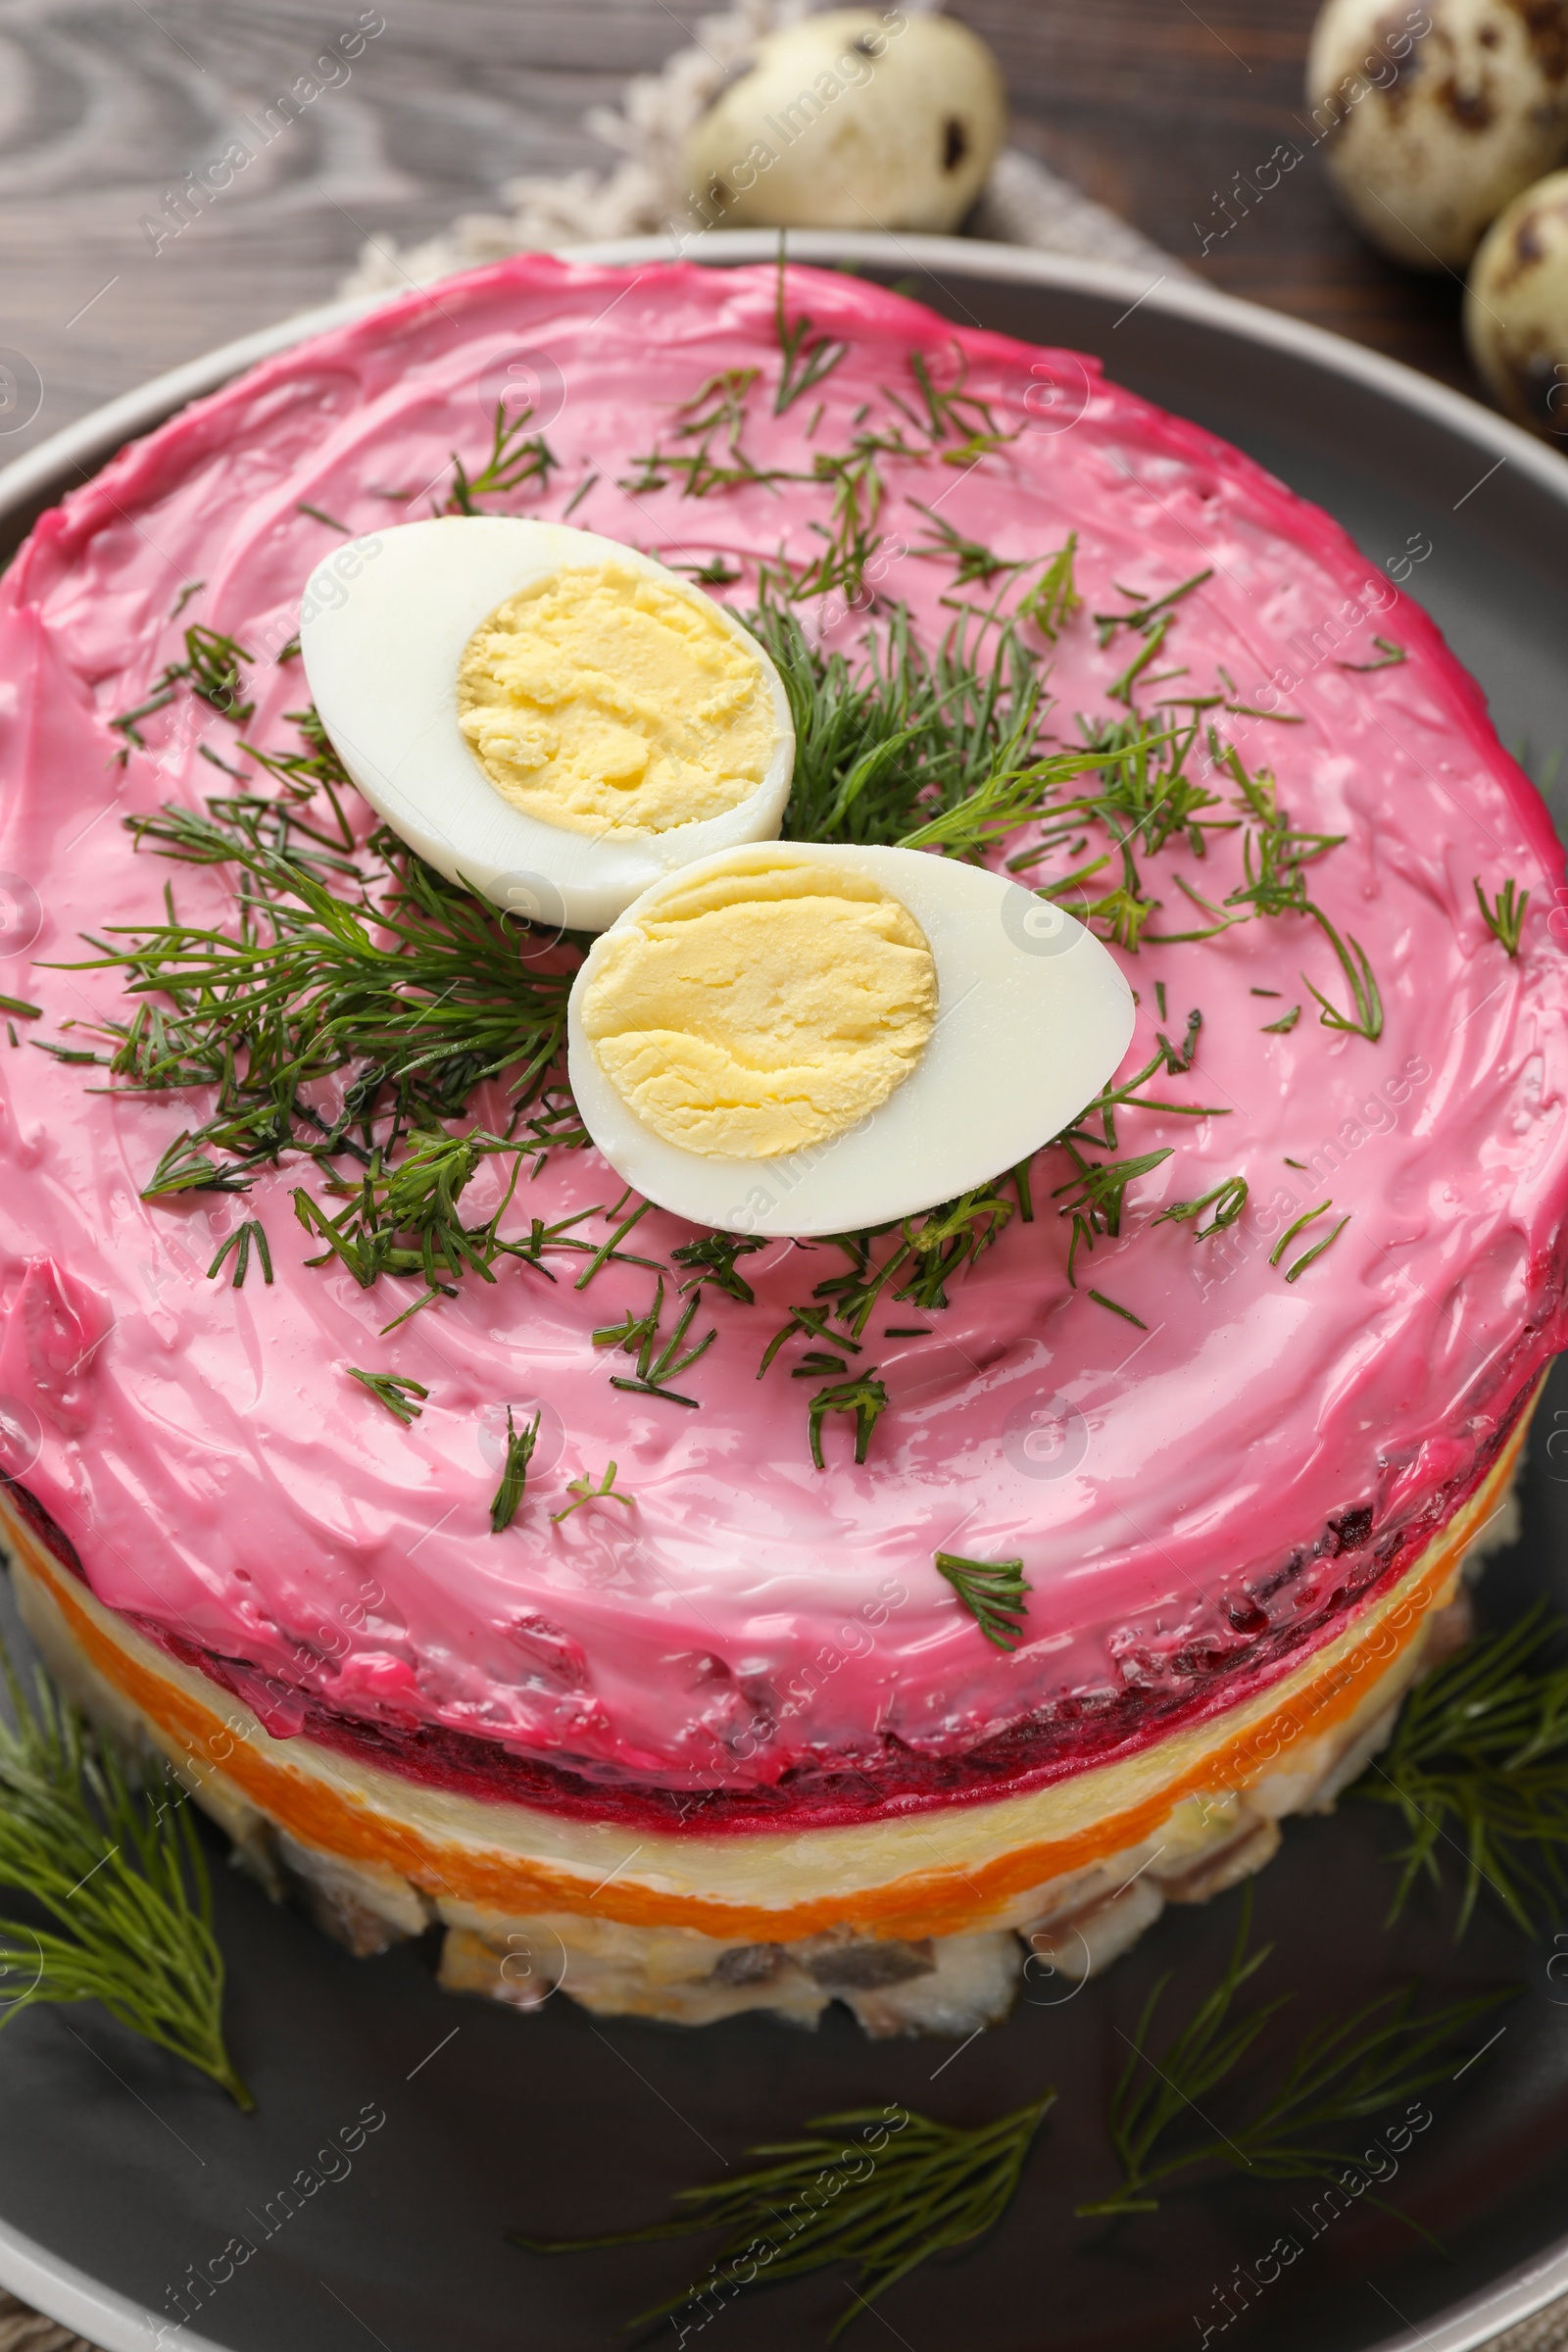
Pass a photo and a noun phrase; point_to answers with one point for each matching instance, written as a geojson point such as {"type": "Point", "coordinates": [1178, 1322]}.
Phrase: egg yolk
{"type": "Point", "coordinates": [612, 704]}
{"type": "Point", "coordinates": [767, 1005]}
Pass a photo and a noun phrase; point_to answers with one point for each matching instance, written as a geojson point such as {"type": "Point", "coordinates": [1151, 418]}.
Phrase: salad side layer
{"type": "Point", "coordinates": [1161, 1429]}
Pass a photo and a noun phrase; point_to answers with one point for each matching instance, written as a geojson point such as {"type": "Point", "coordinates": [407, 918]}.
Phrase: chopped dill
{"type": "Point", "coordinates": [611, 1250]}
{"type": "Point", "coordinates": [714, 417]}
{"type": "Point", "coordinates": [1504, 916]}
{"type": "Point", "coordinates": [1053, 597]}
{"type": "Point", "coordinates": [995, 1594]}
{"type": "Point", "coordinates": [638, 1336]}
{"type": "Point", "coordinates": [1125, 1312]}
{"type": "Point", "coordinates": [212, 667]}
{"type": "Point", "coordinates": [1098, 1189]}
{"type": "Point", "coordinates": [412, 985]}
{"type": "Point", "coordinates": [1284, 1025]}
{"type": "Point", "coordinates": [863, 1395]}
{"type": "Point", "coordinates": [1290, 1231]}
{"type": "Point", "coordinates": [805, 358]}
{"type": "Point", "coordinates": [239, 1243]}
{"type": "Point", "coordinates": [405, 1218]}
{"type": "Point", "coordinates": [1390, 655]}
{"type": "Point", "coordinates": [508, 1497]}
{"type": "Point", "coordinates": [1227, 1200]}
{"type": "Point", "coordinates": [1147, 612]}
{"type": "Point", "coordinates": [712, 1260]}
{"type": "Point", "coordinates": [316, 515]}
{"type": "Point", "coordinates": [584, 1491]}
{"type": "Point", "coordinates": [22, 1008]}
{"type": "Point", "coordinates": [402, 1399]}
{"type": "Point", "coordinates": [514, 460]}
{"type": "Point", "coordinates": [1316, 1251]}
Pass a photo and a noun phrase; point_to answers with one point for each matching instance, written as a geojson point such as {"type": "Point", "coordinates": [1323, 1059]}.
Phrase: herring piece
{"type": "Point", "coordinates": [1428, 134]}
{"type": "Point", "coordinates": [534, 709]}
{"type": "Point", "coordinates": [1032, 1017]}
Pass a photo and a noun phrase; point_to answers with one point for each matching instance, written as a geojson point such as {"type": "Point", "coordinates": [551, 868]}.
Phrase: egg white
{"type": "Point", "coordinates": [383, 625]}
{"type": "Point", "coordinates": [1033, 1016]}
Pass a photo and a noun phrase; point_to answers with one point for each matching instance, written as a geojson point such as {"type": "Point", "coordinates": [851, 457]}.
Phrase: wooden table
{"type": "Point", "coordinates": [104, 105]}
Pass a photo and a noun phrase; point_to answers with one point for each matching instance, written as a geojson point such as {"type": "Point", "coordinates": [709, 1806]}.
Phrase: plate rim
{"type": "Point", "coordinates": [68, 458]}
{"type": "Point", "coordinates": [80, 448]}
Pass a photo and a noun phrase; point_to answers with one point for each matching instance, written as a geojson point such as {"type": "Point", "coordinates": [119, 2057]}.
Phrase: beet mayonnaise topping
{"type": "Point", "coordinates": [1197, 1496]}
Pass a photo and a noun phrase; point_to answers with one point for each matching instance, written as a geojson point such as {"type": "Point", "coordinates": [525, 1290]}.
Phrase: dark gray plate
{"type": "Point", "coordinates": [119, 2172]}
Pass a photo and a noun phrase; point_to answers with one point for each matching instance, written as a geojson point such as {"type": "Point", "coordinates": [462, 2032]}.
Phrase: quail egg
{"type": "Point", "coordinates": [1516, 307]}
{"type": "Point", "coordinates": [1434, 117]}
{"type": "Point", "coordinates": [852, 120]}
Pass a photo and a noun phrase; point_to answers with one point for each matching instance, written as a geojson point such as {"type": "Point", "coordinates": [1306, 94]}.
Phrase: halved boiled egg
{"type": "Point", "coordinates": [551, 718]}
{"type": "Point", "coordinates": [808, 1038]}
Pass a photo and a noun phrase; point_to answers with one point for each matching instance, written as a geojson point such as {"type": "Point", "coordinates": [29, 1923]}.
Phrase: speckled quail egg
{"type": "Point", "coordinates": [808, 1038]}
{"type": "Point", "coordinates": [1434, 117]}
{"type": "Point", "coordinates": [1516, 307]}
{"type": "Point", "coordinates": [857, 119]}
{"type": "Point", "coordinates": [549, 717]}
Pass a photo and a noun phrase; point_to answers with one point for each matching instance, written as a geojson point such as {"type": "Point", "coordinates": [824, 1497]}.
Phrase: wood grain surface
{"type": "Point", "coordinates": [1148, 105]}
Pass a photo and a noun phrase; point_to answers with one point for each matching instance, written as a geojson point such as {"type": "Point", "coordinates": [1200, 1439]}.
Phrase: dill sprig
{"type": "Point", "coordinates": [931, 1251]}
{"type": "Point", "coordinates": [239, 1244]}
{"type": "Point", "coordinates": [120, 1876]}
{"type": "Point", "coordinates": [405, 1218]}
{"type": "Point", "coordinates": [883, 2205]}
{"type": "Point", "coordinates": [1114, 1307]}
{"type": "Point", "coordinates": [850, 537]}
{"type": "Point", "coordinates": [863, 1395]}
{"type": "Point", "coordinates": [1098, 1189]}
{"type": "Point", "coordinates": [805, 358]}
{"type": "Point", "coordinates": [1479, 1761]}
{"type": "Point", "coordinates": [712, 1260]}
{"type": "Point", "coordinates": [1504, 915]}
{"type": "Point", "coordinates": [1365, 1017]}
{"type": "Point", "coordinates": [402, 1399]}
{"type": "Point", "coordinates": [1341, 2071]}
{"type": "Point", "coordinates": [905, 737]}
{"type": "Point", "coordinates": [713, 418]}
{"type": "Point", "coordinates": [508, 1497]}
{"type": "Point", "coordinates": [211, 669]}
{"type": "Point", "coordinates": [1227, 1200]}
{"type": "Point", "coordinates": [950, 410]}
{"type": "Point", "coordinates": [1054, 599]}
{"type": "Point", "coordinates": [638, 1336]}
{"type": "Point", "coordinates": [1308, 1217]}
{"type": "Point", "coordinates": [514, 459]}
{"type": "Point", "coordinates": [1390, 655]}
{"type": "Point", "coordinates": [412, 983]}
{"type": "Point", "coordinates": [585, 1491]}
{"type": "Point", "coordinates": [995, 1594]}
